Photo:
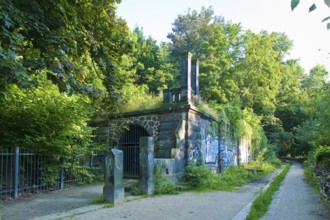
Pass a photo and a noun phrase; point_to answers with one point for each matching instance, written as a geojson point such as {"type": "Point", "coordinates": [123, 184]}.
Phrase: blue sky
{"type": "Point", "coordinates": [310, 37]}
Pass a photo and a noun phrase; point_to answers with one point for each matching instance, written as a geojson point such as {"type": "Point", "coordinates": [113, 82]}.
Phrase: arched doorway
{"type": "Point", "coordinates": [129, 144]}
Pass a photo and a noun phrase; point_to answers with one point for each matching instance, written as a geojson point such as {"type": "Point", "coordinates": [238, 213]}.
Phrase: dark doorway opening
{"type": "Point", "coordinates": [129, 144]}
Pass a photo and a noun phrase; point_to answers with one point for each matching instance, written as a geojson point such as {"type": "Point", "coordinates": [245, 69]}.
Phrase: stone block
{"type": "Point", "coordinates": [113, 188]}
{"type": "Point", "coordinates": [146, 174]}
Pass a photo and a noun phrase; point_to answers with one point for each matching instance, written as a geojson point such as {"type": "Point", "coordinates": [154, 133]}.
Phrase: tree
{"type": "Point", "coordinates": [151, 62]}
{"type": "Point", "coordinates": [217, 46]}
{"type": "Point", "coordinates": [44, 121]}
{"type": "Point", "coordinates": [59, 37]}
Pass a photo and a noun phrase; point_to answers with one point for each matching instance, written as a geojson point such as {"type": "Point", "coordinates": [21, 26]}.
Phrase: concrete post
{"type": "Point", "coordinates": [195, 80]}
{"type": "Point", "coordinates": [186, 79]}
{"type": "Point", "coordinates": [114, 184]}
{"type": "Point", "coordinates": [146, 176]}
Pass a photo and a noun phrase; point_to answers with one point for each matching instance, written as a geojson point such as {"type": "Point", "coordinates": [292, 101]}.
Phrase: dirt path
{"type": "Point", "coordinates": [296, 199]}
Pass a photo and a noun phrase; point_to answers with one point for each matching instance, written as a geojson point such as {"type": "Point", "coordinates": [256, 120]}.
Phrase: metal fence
{"type": "Point", "coordinates": [23, 173]}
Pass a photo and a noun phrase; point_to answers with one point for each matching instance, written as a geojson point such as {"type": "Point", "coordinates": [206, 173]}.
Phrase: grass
{"type": "Point", "coordinates": [102, 200]}
{"type": "Point", "coordinates": [99, 200]}
{"type": "Point", "coordinates": [263, 200]}
{"type": "Point", "coordinates": [200, 178]}
{"type": "Point", "coordinates": [109, 205]}
{"type": "Point", "coordinates": [142, 102]}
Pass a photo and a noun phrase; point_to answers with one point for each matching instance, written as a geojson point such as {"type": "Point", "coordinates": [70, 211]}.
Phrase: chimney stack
{"type": "Point", "coordinates": [195, 81]}
{"type": "Point", "coordinates": [186, 90]}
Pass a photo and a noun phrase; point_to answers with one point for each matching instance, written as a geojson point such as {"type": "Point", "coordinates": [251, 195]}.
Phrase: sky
{"type": "Point", "coordinates": [310, 36]}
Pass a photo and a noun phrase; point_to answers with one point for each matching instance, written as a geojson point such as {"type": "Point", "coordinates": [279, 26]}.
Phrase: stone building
{"type": "Point", "coordinates": [181, 132]}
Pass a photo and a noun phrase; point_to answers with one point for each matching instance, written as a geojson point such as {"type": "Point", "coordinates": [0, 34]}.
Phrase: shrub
{"type": "Point", "coordinates": [196, 176]}
{"type": "Point", "coordinates": [161, 185]}
{"type": "Point", "coordinates": [136, 191]}
{"type": "Point", "coordinates": [322, 156]}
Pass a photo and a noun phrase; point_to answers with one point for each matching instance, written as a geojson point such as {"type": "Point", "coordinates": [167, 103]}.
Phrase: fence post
{"type": "Point", "coordinates": [16, 176]}
{"type": "Point", "coordinates": [62, 176]}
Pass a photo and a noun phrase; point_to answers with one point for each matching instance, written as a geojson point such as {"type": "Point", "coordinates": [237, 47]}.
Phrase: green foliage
{"type": "Point", "coordinates": [309, 167]}
{"type": "Point", "coordinates": [50, 123]}
{"type": "Point", "coordinates": [45, 120]}
{"type": "Point", "coordinates": [109, 205]}
{"type": "Point", "coordinates": [99, 200]}
{"type": "Point", "coordinates": [161, 184]}
{"type": "Point", "coordinates": [202, 178]}
{"type": "Point", "coordinates": [78, 44]}
{"type": "Point", "coordinates": [322, 156]}
{"type": "Point", "coordinates": [196, 176]}
{"type": "Point", "coordinates": [136, 191]}
{"type": "Point", "coordinates": [138, 99]}
{"type": "Point", "coordinates": [262, 201]}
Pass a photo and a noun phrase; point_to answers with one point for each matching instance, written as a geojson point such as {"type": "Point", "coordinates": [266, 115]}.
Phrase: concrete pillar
{"type": "Point", "coordinates": [186, 79]}
{"type": "Point", "coordinates": [114, 184]}
{"type": "Point", "coordinates": [195, 80]}
{"type": "Point", "coordinates": [146, 177]}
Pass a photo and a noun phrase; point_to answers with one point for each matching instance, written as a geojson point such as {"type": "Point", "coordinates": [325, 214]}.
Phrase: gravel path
{"type": "Point", "coordinates": [76, 204]}
{"type": "Point", "coordinates": [296, 199]}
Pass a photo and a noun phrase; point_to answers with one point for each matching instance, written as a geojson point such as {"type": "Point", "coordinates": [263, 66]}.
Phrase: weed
{"type": "Point", "coordinates": [196, 176]}
{"type": "Point", "coordinates": [161, 184]}
{"type": "Point", "coordinates": [169, 189]}
{"type": "Point", "coordinates": [201, 178]}
{"type": "Point", "coordinates": [136, 191]}
{"type": "Point", "coordinates": [109, 205]}
{"type": "Point", "coordinates": [1, 206]}
{"type": "Point", "coordinates": [99, 200]}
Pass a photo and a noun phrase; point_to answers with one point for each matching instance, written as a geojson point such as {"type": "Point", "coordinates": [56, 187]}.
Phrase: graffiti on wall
{"type": "Point", "coordinates": [210, 149]}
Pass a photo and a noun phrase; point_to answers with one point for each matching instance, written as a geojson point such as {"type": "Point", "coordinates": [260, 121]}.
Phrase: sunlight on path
{"type": "Point", "coordinates": [295, 199]}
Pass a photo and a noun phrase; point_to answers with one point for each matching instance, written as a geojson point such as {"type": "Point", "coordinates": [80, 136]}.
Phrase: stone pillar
{"type": "Point", "coordinates": [114, 184]}
{"type": "Point", "coordinates": [195, 80]}
{"type": "Point", "coordinates": [186, 79]}
{"type": "Point", "coordinates": [146, 177]}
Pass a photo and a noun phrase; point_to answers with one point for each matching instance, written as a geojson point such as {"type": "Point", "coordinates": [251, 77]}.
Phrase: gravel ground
{"type": "Point", "coordinates": [76, 204]}
{"type": "Point", "coordinates": [48, 203]}
{"type": "Point", "coordinates": [296, 199]}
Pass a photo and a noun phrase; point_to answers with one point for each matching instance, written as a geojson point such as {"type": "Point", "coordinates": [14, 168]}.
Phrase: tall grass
{"type": "Point", "coordinates": [200, 178]}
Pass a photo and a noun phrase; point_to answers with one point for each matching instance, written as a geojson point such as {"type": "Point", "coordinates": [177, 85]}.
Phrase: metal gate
{"type": "Point", "coordinates": [129, 144]}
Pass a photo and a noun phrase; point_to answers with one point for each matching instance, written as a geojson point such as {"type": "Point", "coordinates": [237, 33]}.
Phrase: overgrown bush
{"type": "Point", "coordinates": [322, 156]}
{"type": "Point", "coordinates": [136, 191]}
{"type": "Point", "coordinates": [196, 176]}
{"type": "Point", "coordinates": [202, 178]}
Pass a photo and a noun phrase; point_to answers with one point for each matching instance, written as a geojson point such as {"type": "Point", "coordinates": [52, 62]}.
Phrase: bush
{"type": "Point", "coordinates": [196, 176]}
{"type": "Point", "coordinates": [202, 178]}
{"type": "Point", "coordinates": [322, 156]}
{"type": "Point", "coordinates": [161, 185]}
{"type": "Point", "coordinates": [136, 191]}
